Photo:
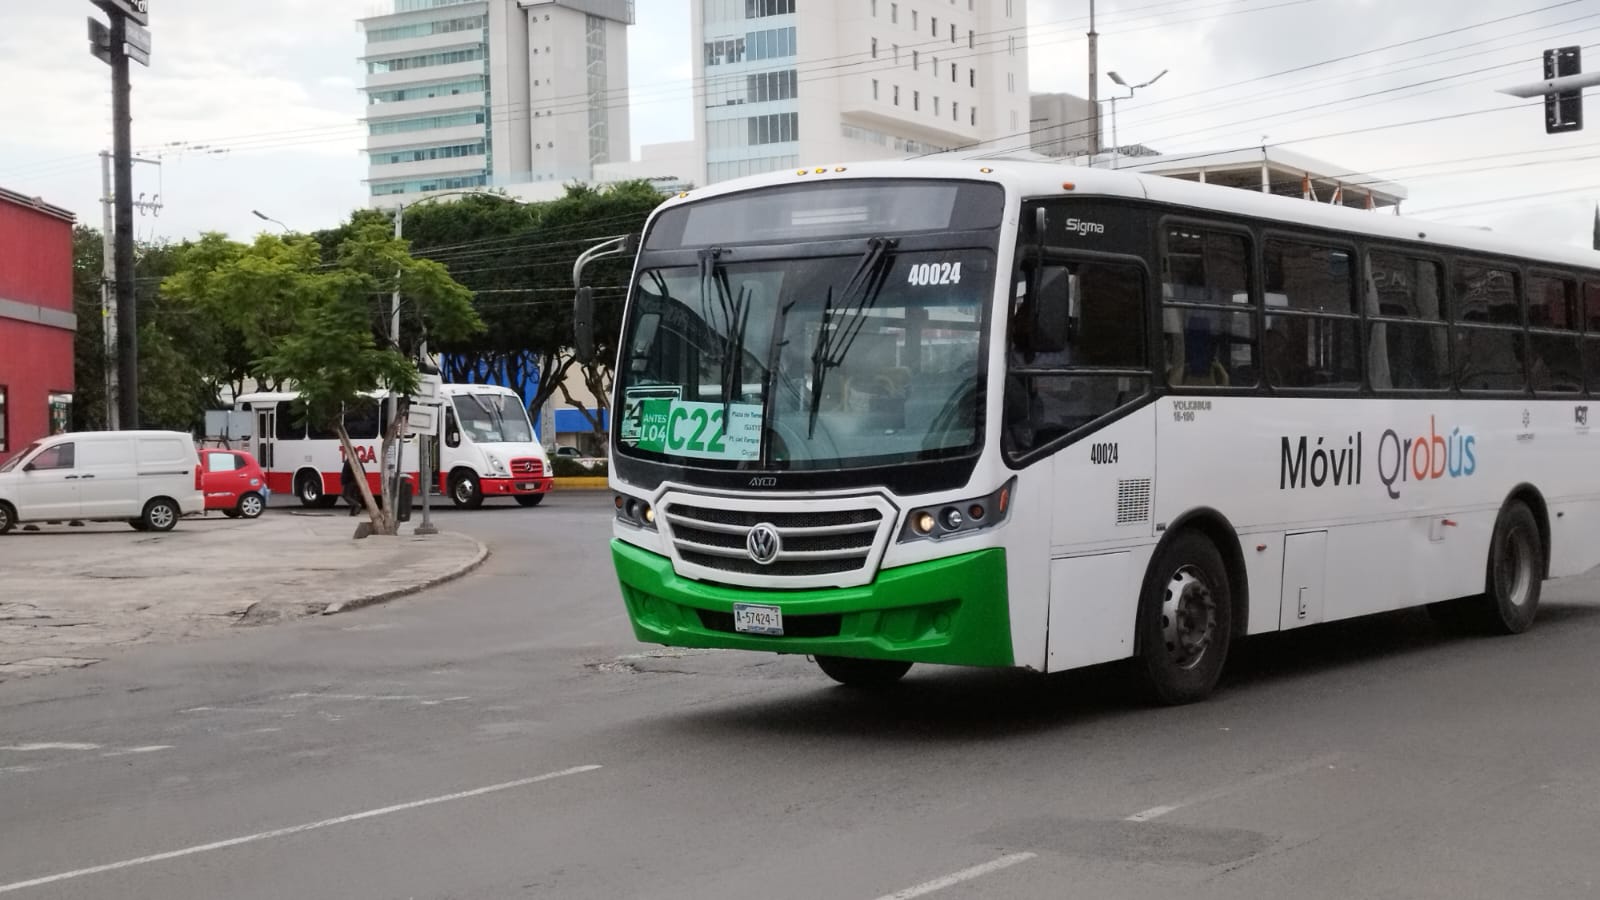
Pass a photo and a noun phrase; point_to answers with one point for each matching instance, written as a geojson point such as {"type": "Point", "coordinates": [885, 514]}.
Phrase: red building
{"type": "Point", "coordinates": [37, 323]}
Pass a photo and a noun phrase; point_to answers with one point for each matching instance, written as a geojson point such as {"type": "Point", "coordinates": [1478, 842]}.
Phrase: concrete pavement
{"type": "Point", "coordinates": [69, 597]}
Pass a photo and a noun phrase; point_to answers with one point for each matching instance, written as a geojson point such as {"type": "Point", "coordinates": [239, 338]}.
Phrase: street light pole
{"type": "Point", "coordinates": [1116, 148]}
{"type": "Point", "coordinates": [266, 218]}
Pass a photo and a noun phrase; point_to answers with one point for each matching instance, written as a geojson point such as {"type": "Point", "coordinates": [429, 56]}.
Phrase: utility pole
{"type": "Point", "coordinates": [108, 295]}
{"type": "Point", "coordinates": [1094, 87]}
{"type": "Point", "coordinates": [125, 38]}
{"type": "Point", "coordinates": [391, 480]}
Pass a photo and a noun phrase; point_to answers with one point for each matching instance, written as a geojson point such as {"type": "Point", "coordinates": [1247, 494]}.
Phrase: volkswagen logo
{"type": "Point", "coordinates": [763, 543]}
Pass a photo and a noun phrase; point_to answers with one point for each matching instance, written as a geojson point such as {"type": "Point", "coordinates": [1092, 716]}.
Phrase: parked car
{"type": "Point", "coordinates": [566, 452]}
{"type": "Point", "coordinates": [234, 483]}
{"type": "Point", "coordinates": [145, 478]}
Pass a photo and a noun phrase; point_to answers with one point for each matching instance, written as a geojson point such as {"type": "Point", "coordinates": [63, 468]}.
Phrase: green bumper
{"type": "Point", "coordinates": [950, 611]}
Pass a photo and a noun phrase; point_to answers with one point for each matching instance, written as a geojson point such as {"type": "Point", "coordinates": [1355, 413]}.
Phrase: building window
{"type": "Point", "coordinates": [421, 62]}
{"type": "Point", "coordinates": [952, 32]}
{"type": "Point", "coordinates": [972, 39]}
{"type": "Point", "coordinates": [897, 95]}
{"type": "Point", "coordinates": [916, 101]}
{"type": "Point", "coordinates": [916, 60]}
{"type": "Point", "coordinates": [955, 111]}
{"type": "Point", "coordinates": [913, 20]}
{"type": "Point", "coordinates": [5, 433]}
{"type": "Point", "coordinates": [953, 70]}
{"type": "Point", "coordinates": [973, 113]}
{"type": "Point", "coordinates": [874, 48]}
{"type": "Point", "coordinates": [894, 13]}
{"type": "Point", "coordinates": [935, 29]}
{"type": "Point", "coordinates": [766, 86]}
{"type": "Point", "coordinates": [1011, 82]}
{"type": "Point", "coordinates": [972, 78]}
{"type": "Point", "coordinates": [874, 9]}
{"type": "Point", "coordinates": [723, 52]}
{"type": "Point", "coordinates": [897, 54]}
{"type": "Point", "coordinates": [1013, 121]}
{"type": "Point", "coordinates": [770, 44]}
{"type": "Point", "coordinates": [774, 129]}
{"type": "Point", "coordinates": [755, 9]}
{"type": "Point", "coordinates": [874, 88]}
{"type": "Point", "coordinates": [1008, 9]}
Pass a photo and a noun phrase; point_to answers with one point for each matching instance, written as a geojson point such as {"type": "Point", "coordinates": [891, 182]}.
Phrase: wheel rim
{"type": "Point", "coordinates": [310, 490]}
{"type": "Point", "coordinates": [1514, 574]}
{"type": "Point", "coordinates": [5, 518]}
{"type": "Point", "coordinates": [464, 490]}
{"type": "Point", "coordinates": [1188, 617]}
{"type": "Point", "coordinates": [250, 506]}
{"type": "Point", "coordinates": [161, 515]}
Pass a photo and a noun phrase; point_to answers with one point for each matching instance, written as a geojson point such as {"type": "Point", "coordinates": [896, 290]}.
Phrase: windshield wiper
{"type": "Point", "coordinates": [859, 293]}
{"type": "Point", "coordinates": [735, 309]}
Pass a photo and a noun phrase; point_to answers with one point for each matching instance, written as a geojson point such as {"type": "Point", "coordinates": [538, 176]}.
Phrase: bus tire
{"type": "Point", "coordinates": [862, 673]}
{"type": "Point", "coordinates": [1185, 622]}
{"type": "Point", "coordinates": [529, 499]}
{"type": "Point", "coordinates": [1514, 574]}
{"type": "Point", "coordinates": [308, 487]}
{"type": "Point", "coordinates": [465, 491]}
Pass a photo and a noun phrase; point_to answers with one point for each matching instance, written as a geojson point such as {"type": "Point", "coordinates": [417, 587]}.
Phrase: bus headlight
{"type": "Point", "coordinates": [634, 511]}
{"type": "Point", "coordinates": [498, 465]}
{"type": "Point", "coordinates": [931, 523]}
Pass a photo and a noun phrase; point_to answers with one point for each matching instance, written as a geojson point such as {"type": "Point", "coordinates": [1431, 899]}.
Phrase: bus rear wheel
{"type": "Point", "coordinates": [1185, 623]}
{"type": "Point", "coordinates": [308, 487]}
{"type": "Point", "coordinates": [1512, 581]}
{"type": "Point", "coordinates": [862, 673]}
{"type": "Point", "coordinates": [465, 491]}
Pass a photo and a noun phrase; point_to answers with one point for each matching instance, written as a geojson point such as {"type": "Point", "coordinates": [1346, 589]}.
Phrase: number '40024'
{"type": "Point", "coordinates": [1103, 454]}
{"type": "Point", "coordinates": [935, 273]}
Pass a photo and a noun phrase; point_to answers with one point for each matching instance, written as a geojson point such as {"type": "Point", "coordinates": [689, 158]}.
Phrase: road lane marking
{"type": "Point", "coordinates": [955, 878]}
{"type": "Point", "coordinates": [28, 748]}
{"type": "Point", "coordinates": [1156, 812]}
{"type": "Point", "coordinates": [292, 829]}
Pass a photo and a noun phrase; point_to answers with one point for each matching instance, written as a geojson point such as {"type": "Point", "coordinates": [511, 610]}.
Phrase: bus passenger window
{"type": "Point", "coordinates": [1408, 345]}
{"type": "Point", "coordinates": [1208, 317]}
{"type": "Point", "coordinates": [1591, 338]}
{"type": "Point", "coordinates": [1077, 351]}
{"type": "Point", "coordinates": [1312, 338]}
{"type": "Point", "coordinates": [1555, 352]}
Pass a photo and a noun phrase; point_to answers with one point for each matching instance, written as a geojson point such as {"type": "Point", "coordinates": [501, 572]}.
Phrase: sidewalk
{"type": "Point", "coordinates": [71, 596]}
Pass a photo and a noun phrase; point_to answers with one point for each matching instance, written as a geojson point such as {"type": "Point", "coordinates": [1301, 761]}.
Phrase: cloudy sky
{"type": "Point", "coordinates": [253, 106]}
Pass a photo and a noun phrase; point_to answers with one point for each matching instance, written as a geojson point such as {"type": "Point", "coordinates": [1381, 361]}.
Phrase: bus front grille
{"type": "Point", "coordinates": [812, 542]}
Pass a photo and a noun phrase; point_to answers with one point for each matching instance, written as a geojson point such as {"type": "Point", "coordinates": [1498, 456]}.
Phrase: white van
{"type": "Point", "coordinates": [145, 478]}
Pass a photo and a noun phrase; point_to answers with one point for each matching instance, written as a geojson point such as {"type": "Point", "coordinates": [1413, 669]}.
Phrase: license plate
{"type": "Point", "coordinates": [527, 487]}
{"type": "Point", "coordinates": [754, 618]}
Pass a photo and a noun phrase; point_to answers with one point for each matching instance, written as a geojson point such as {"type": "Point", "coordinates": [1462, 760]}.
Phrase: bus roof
{"type": "Point", "coordinates": [449, 390]}
{"type": "Point", "coordinates": [1031, 178]}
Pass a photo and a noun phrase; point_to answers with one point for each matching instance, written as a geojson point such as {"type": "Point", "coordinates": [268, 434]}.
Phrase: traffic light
{"type": "Point", "coordinates": [1563, 111]}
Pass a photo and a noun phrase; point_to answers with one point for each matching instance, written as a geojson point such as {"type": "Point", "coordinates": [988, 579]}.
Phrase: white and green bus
{"type": "Point", "coordinates": [1008, 413]}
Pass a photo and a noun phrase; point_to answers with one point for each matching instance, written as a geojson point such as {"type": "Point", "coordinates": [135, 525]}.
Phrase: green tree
{"type": "Point", "coordinates": [178, 349]}
{"type": "Point", "coordinates": [323, 327]}
{"type": "Point", "coordinates": [518, 260]}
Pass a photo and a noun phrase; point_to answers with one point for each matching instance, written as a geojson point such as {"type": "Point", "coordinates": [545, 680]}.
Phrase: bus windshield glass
{"type": "Point", "coordinates": [493, 419]}
{"type": "Point", "coordinates": [807, 363]}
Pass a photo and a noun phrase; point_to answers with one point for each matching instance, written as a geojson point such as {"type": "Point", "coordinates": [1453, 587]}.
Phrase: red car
{"type": "Point", "coordinates": [233, 483]}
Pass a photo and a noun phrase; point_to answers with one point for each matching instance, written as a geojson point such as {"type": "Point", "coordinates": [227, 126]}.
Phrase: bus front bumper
{"type": "Point", "coordinates": [516, 484]}
{"type": "Point", "coordinates": [951, 611]}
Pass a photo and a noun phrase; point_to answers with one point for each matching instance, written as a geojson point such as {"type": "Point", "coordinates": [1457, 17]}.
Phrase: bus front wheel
{"type": "Point", "coordinates": [1185, 620]}
{"type": "Point", "coordinates": [862, 673]}
{"type": "Point", "coordinates": [529, 499]}
{"type": "Point", "coordinates": [465, 492]}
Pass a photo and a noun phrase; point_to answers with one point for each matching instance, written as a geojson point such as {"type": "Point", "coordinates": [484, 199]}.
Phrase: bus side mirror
{"type": "Point", "coordinates": [583, 325]}
{"type": "Point", "coordinates": [1049, 311]}
{"type": "Point", "coordinates": [452, 433]}
{"type": "Point", "coordinates": [29, 467]}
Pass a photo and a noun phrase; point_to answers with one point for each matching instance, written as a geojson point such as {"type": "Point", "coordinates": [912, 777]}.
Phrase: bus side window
{"type": "Point", "coordinates": [452, 431]}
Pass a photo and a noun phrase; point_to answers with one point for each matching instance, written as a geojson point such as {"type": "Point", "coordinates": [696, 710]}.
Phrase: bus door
{"type": "Point", "coordinates": [266, 435]}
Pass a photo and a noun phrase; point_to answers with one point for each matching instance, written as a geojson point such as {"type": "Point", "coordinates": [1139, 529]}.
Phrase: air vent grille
{"type": "Point", "coordinates": [1133, 500]}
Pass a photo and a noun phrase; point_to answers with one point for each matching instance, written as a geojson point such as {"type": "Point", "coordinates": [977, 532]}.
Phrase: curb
{"type": "Point", "coordinates": [580, 483]}
{"type": "Point", "coordinates": [383, 596]}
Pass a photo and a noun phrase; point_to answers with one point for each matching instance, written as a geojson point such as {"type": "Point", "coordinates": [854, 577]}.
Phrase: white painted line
{"type": "Point", "coordinates": [1156, 812]}
{"type": "Point", "coordinates": [293, 829]}
{"type": "Point", "coordinates": [955, 878]}
{"type": "Point", "coordinates": [28, 748]}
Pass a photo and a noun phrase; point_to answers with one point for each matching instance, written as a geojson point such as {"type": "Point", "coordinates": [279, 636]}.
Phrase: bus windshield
{"type": "Point", "coordinates": [807, 363]}
{"type": "Point", "coordinates": [493, 419]}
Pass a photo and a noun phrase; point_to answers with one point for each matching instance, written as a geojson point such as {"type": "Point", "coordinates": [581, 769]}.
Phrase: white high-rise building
{"type": "Point", "coordinates": [792, 82]}
{"type": "Point", "coordinates": [464, 94]}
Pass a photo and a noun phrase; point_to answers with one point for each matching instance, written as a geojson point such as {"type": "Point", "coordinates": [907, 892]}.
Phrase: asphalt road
{"type": "Point", "coordinates": [505, 737]}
